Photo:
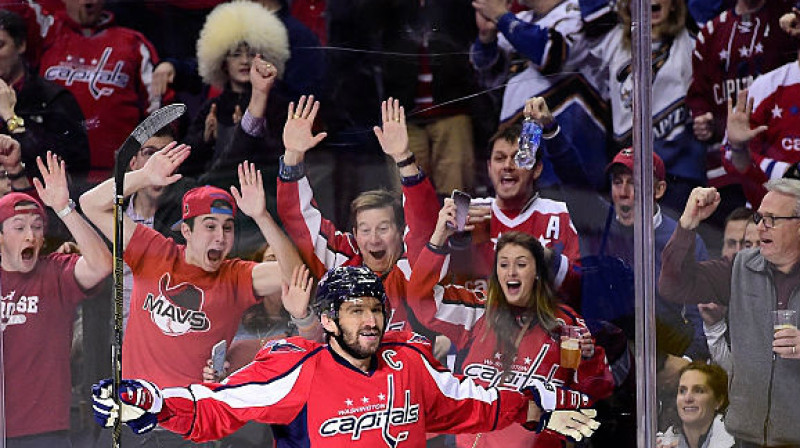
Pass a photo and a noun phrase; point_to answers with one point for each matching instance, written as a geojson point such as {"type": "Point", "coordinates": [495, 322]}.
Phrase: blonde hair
{"type": "Point", "coordinates": [671, 27]}
{"type": "Point", "coordinates": [234, 23]}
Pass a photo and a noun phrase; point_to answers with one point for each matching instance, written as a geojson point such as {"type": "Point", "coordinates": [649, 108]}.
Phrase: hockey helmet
{"type": "Point", "coordinates": [344, 283]}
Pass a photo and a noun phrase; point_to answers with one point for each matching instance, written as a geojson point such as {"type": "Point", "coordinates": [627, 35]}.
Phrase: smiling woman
{"type": "Point", "coordinates": [702, 399]}
{"type": "Point", "coordinates": [511, 336]}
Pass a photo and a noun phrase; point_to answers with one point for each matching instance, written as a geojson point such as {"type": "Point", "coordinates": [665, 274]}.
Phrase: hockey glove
{"type": "Point", "coordinates": [562, 411]}
{"type": "Point", "coordinates": [141, 402]}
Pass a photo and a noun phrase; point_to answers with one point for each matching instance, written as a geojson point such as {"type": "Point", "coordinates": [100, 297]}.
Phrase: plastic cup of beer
{"type": "Point", "coordinates": [784, 319]}
{"type": "Point", "coordinates": [571, 346]}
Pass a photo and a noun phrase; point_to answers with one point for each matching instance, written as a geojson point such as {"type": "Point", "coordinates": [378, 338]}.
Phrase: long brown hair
{"type": "Point", "coordinates": [675, 23]}
{"type": "Point", "coordinates": [541, 305]}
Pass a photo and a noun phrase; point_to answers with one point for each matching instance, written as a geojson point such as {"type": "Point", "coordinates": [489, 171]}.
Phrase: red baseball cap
{"type": "Point", "coordinates": [204, 201]}
{"type": "Point", "coordinates": [625, 158]}
{"type": "Point", "coordinates": [11, 205]}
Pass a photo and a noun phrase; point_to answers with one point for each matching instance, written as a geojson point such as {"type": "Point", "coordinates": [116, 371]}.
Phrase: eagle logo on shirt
{"type": "Point", "coordinates": [177, 310]}
{"type": "Point", "coordinates": [282, 346]}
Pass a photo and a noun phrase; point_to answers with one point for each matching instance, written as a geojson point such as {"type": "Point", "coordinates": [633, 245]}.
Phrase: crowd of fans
{"type": "Point", "coordinates": [328, 133]}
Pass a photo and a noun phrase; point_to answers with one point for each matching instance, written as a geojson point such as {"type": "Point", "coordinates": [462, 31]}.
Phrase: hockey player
{"type": "Point", "coordinates": [389, 389]}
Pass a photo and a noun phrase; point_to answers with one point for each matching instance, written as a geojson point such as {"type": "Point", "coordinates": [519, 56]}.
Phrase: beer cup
{"type": "Point", "coordinates": [783, 319]}
{"type": "Point", "coordinates": [571, 346]}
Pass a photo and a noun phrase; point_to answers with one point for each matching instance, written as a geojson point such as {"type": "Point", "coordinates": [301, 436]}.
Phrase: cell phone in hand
{"type": "Point", "coordinates": [218, 353]}
{"type": "Point", "coordinates": [462, 201]}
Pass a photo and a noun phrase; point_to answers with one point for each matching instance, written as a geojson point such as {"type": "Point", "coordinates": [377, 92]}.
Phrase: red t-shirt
{"type": "Point", "coordinates": [178, 310]}
{"type": "Point", "coordinates": [38, 309]}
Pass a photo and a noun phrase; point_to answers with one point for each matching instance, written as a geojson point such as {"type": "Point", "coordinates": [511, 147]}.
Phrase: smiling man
{"type": "Point", "coordinates": [40, 294]}
{"type": "Point", "coordinates": [388, 388]}
{"type": "Point", "coordinates": [186, 298]}
{"type": "Point", "coordinates": [765, 371]}
{"type": "Point", "coordinates": [378, 217]}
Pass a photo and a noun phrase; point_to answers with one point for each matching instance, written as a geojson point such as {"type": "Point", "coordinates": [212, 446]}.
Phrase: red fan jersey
{"type": "Point", "coordinates": [108, 69]}
{"type": "Point", "coordinates": [458, 313]}
{"type": "Point", "coordinates": [406, 393]}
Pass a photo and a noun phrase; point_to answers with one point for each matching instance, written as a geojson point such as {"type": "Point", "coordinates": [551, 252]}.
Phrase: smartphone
{"type": "Point", "coordinates": [462, 201]}
{"type": "Point", "coordinates": [218, 353]}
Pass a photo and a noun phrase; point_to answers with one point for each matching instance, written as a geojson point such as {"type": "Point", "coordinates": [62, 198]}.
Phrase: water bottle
{"type": "Point", "coordinates": [529, 141]}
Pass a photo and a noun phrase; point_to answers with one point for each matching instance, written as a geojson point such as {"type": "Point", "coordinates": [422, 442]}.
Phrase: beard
{"type": "Point", "coordinates": [350, 344]}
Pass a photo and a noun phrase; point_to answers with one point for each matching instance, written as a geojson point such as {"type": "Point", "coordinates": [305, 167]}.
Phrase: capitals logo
{"type": "Point", "coordinates": [177, 310]}
{"type": "Point", "coordinates": [382, 419]}
{"type": "Point", "coordinates": [95, 74]}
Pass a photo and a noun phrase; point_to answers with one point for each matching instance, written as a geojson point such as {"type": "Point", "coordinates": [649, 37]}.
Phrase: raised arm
{"type": "Point", "coordinates": [296, 297]}
{"type": "Point", "coordinates": [98, 203]}
{"type": "Point", "coordinates": [252, 202]}
{"type": "Point", "coordinates": [682, 278]}
{"type": "Point", "coordinates": [95, 261]}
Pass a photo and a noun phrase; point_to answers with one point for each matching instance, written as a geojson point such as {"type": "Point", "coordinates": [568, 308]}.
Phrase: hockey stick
{"type": "Point", "coordinates": [125, 153]}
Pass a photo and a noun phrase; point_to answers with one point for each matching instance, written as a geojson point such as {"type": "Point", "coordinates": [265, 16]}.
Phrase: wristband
{"type": "Point", "coordinates": [66, 210]}
{"type": "Point", "coordinates": [407, 161]}
{"type": "Point", "coordinates": [291, 173]}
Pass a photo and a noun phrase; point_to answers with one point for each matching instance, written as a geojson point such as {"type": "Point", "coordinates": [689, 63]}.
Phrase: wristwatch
{"type": "Point", "coordinates": [66, 210]}
{"type": "Point", "coordinates": [15, 123]}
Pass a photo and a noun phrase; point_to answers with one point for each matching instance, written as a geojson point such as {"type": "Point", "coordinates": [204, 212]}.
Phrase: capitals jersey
{"type": "Point", "coordinates": [405, 393]}
{"type": "Point", "coordinates": [109, 71]}
{"type": "Point", "coordinates": [673, 137]}
{"type": "Point", "coordinates": [458, 313]}
{"type": "Point", "coordinates": [323, 247]}
{"type": "Point", "coordinates": [730, 52]}
{"type": "Point", "coordinates": [545, 219]}
{"type": "Point", "coordinates": [776, 104]}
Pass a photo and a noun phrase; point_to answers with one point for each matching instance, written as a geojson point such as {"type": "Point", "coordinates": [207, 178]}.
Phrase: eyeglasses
{"type": "Point", "coordinates": [769, 221]}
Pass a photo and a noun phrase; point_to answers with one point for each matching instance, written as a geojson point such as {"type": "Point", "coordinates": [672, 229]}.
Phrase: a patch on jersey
{"type": "Point", "coordinates": [419, 339]}
{"type": "Point", "coordinates": [282, 346]}
{"type": "Point", "coordinates": [177, 310]}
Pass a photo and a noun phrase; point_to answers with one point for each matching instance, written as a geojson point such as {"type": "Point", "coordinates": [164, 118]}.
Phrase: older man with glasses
{"type": "Point", "coordinates": [765, 381]}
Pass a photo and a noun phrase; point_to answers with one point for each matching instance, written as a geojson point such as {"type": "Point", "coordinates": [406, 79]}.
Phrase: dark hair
{"type": "Point", "coordinates": [167, 131]}
{"type": "Point", "coordinates": [541, 306]}
{"type": "Point", "coordinates": [14, 25]}
{"type": "Point", "coordinates": [739, 214]}
{"type": "Point", "coordinates": [716, 378]}
{"type": "Point", "coordinates": [510, 132]}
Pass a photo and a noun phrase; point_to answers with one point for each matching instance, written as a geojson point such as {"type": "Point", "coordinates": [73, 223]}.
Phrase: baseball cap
{"type": "Point", "coordinates": [625, 158]}
{"type": "Point", "coordinates": [9, 206]}
{"type": "Point", "coordinates": [206, 200]}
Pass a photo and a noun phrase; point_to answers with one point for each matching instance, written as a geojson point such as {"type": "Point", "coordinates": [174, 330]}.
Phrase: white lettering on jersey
{"type": "Point", "coordinates": [382, 419]}
{"type": "Point", "coordinates": [178, 309]}
{"type": "Point", "coordinates": [388, 356]}
{"type": "Point", "coordinates": [553, 228]}
{"type": "Point", "coordinates": [791, 143]}
{"type": "Point", "coordinates": [518, 376]}
{"type": "Point", "coordinates": [394, 326]}
{"type": "Point", "coordinates": [15, 312]}
{"type": "Point", "coordinates": [93, 74]}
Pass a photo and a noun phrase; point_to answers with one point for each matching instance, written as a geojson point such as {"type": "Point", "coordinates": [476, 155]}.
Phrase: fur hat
{"type": "Point", "coordinates": [230, 24]}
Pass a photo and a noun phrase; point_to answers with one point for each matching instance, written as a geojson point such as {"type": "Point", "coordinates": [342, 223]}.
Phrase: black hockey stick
{"type": "Point", "coordinates": [125, 153]}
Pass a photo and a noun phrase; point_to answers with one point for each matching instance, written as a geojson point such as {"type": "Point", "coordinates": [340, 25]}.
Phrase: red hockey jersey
{"type": "Point", "coordinates": [109, 72]}
{"type": "Point", "coordinates": [458, 313]}
{"type": "Point", "coordinates": [406, 393]}
{"type": "Point", "coordinates": [323, 247]}
{"type": "Point", "coordinates": [730, 52]}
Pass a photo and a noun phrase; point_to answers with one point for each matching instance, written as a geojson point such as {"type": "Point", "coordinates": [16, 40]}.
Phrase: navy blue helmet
{"type": "Point", "coordinates": [347, 282]}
